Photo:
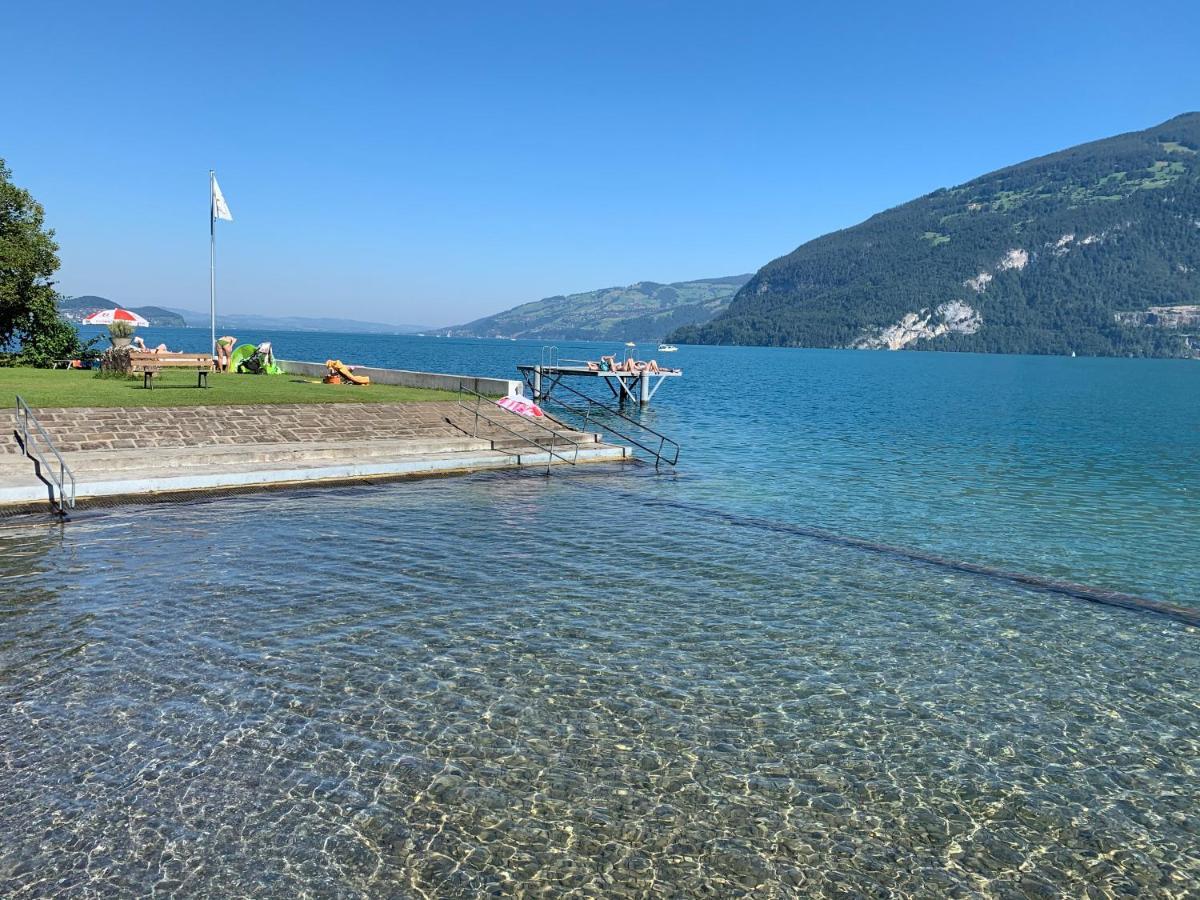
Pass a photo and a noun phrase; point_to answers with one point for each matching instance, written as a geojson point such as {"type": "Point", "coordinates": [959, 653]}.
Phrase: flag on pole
{"type": "Point", "coordinates": [220, 209]}
{"type": "Point", "coordinates": [217, 209]}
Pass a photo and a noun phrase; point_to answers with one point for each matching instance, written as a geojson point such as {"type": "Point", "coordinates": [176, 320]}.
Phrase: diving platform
{"type": "Point", "coordinates": [636, 386]}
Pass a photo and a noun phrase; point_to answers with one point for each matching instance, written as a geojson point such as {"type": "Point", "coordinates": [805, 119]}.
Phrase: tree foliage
{"type": "Point", "coordinates": [1109, 226]}
{"type": "Point", "coordinates": [29, 317]}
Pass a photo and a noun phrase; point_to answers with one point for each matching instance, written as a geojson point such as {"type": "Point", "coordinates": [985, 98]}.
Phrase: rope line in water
{"type": "Point", "coordinates": [1188, 616]}
{"type": "Point", "coordinates": [1102, 596]}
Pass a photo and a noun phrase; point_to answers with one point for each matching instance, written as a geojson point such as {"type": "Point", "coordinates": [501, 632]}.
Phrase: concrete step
{"type": "Point", "coordinates": [101, 462]}
{"type": "Point", "coordinates": [558, 440]}
{"type": "Point", "coordinates": [85, 463]}
{"type": "Point", "coordinates": [158, 479]}
{"type": "Point", "coordinates": [21, 487]}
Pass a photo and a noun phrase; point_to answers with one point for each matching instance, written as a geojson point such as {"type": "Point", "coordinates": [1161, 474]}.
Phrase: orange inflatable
{"type": "Point", "coordinates": [336, 368]}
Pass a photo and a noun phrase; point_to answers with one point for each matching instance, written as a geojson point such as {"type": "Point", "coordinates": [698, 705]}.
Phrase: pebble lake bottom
{"type": "Point", "coordinates": [507, 684]}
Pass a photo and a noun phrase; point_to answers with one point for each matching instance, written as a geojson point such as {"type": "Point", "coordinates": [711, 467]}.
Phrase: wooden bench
{"type": "Point", "coordinates": [150, 364]}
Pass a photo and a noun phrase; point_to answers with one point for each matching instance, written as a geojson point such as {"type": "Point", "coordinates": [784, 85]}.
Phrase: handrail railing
{"type": "Point", "coordinates": [25, 418]}
{"type": "Point", "coordinates": [478, 411]}
{"type": "Point", "coordinates": [666, 447]}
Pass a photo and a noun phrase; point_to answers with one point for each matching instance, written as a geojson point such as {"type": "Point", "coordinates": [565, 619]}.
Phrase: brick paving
{"type": "Point", "coordinates": [127, 428]}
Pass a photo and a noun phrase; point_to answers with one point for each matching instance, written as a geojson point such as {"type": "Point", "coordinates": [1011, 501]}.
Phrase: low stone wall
{"type": "Point", "coordinates": [493, 387]}
{"type": "Point", "coordinates": [118, 428]}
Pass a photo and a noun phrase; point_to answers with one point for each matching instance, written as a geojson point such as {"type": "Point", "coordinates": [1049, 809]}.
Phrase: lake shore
{"type": "Point", "coordinates": [122, 440]}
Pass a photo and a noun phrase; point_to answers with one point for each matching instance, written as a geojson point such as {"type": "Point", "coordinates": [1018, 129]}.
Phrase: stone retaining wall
{"type": "Point", "coordinates": [116, 428]}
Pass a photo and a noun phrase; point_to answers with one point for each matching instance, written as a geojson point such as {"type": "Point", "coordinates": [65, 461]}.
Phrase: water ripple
{"type": "Point", "coordinates": [512, 686]}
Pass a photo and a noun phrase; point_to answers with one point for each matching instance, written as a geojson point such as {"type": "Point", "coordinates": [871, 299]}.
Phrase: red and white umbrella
{"type": "Point", "coordinates": [108, 316]}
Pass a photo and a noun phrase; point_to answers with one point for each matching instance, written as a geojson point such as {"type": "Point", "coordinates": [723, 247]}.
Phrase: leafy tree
{"type": "Point", "coordinates": [29, 317]}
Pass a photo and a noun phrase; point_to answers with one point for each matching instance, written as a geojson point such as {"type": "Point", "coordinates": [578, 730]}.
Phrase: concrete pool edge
{"type": "Point", "coordinates": [34, 496]}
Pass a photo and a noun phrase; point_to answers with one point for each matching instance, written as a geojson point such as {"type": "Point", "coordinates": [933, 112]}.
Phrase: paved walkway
{"type": "Point", "coordinates": [145, 450]}
{"type": "Point", "coordinates": [113, 428]}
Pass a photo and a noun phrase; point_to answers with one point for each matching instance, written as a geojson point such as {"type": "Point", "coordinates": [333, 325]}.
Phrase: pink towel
{"type": "Point", "coordinates": [522, 406]}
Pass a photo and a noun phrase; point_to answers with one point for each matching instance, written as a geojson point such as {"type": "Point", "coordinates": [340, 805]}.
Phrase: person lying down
{"type": "Point", "coordinates": [140, 344]}
{"type": "Point", "coordinates": [610, 364]}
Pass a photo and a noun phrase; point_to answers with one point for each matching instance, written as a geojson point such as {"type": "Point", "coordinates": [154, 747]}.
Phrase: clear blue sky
{"type": "Point", "coordinates": [431, 163]}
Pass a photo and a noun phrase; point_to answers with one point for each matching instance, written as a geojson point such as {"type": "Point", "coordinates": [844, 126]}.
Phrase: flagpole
{"type": "Point", "coordinates": [212, 266]}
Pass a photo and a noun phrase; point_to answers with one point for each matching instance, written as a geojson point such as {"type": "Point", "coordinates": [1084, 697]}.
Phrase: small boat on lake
{"type": "Point", "coordinates": [667, 348]}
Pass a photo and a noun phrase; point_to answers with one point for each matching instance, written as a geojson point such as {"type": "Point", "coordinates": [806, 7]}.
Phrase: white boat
{"type": "Point", "coordinates": [666, 348]}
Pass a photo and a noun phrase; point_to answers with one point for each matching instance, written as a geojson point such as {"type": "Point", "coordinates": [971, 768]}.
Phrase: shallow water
{"type": "Point", "coordinates": [501, 684]}
{"type": "Point", "coordinates": [1082, 469]}
{"type": "Point", "coordinates": [511, 685]}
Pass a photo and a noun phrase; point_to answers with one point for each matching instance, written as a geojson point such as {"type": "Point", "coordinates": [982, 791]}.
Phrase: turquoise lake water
{"type": "Point", "coordinates": [587, 685]}
{"type": "Point", "coordinates": [1085, 469]}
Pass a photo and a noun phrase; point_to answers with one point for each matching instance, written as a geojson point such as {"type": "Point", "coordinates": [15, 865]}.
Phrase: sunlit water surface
{"type": "Point", "coordinates": [518, 685]}
{"type": "Point", "coordinates": [513, 685]}
{"type": "Point", "coordinates": [1084, 469]}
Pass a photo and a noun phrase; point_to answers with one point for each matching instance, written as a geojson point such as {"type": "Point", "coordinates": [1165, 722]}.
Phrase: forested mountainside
{"type": "Point", "coordinates": [643, 311]}
{"type": "Point", "coordinates": [1079, 251]}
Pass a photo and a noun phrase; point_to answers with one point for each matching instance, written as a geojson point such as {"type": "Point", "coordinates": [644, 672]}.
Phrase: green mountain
{"type": "Point", "coordinates": [643, 312]}
{"type": "Point", "coordinates": [76, 309]}
{"type": "Point", "coordinates": [1094, 250]}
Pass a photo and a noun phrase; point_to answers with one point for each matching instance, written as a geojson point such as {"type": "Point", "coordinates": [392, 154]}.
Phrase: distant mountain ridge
{"type": "Point", "coordinates": [296, 323]}
{"type": "Point", "coordinates": [1086, 250]}
{"type": "Point", "coordinates": [77, 308]}
{"type": "Point", "coordinates": [645, 310]}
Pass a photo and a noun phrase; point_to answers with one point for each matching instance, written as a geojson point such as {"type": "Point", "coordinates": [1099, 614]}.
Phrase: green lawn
{"type": "Point", "coordinates": [46, 387]}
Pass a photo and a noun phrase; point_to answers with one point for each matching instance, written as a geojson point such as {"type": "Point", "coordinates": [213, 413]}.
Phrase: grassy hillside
{"type": "Point", "coordinates": [643, 311]}
{"type": "Point", "coordinates": [1040, 257]}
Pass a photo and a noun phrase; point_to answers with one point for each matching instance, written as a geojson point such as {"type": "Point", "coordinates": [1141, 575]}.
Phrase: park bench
{"type": "Point", "coordinates": [149, 364]}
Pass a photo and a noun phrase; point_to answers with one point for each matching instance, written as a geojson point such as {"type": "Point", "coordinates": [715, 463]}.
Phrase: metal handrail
{"type": "Point", "coordinates": [548, 449]}
{"type": "Point", "coordinates": [24, 417]}
{"type": "Point", "coordinates": [665, 444]}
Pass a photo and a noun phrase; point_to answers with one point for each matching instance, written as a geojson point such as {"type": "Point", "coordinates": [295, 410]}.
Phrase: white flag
{"type": "Point", "coordinates": [220, 209]}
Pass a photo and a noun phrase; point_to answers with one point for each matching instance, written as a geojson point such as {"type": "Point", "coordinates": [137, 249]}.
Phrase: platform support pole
{"type": "Point", "coordinates": [644, 389]}
{"type": "Point", "coordinates": [537, 383]}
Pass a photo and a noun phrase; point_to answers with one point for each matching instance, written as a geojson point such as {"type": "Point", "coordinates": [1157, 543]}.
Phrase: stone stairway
{"type": "Point", "coordinates": [124, 451]}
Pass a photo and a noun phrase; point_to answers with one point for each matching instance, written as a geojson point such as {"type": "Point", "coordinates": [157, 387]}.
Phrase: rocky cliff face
{"type": "Point", "coordinates": [954, 317]}
{"type": "Point", "coordinates": [1162, 317]}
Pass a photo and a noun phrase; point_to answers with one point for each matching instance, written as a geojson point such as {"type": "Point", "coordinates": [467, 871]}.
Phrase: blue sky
{"type": "Point", "coordinates": [431, 163]}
